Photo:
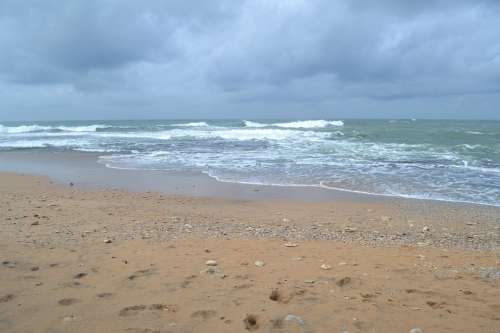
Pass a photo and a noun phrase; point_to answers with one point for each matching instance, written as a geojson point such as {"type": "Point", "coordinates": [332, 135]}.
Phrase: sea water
{"type": "Point", "coordinates": [433, 159]}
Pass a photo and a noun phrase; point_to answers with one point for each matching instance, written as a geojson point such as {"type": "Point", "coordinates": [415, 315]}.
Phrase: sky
{"type": "Point", "coordinates": [308, 59]}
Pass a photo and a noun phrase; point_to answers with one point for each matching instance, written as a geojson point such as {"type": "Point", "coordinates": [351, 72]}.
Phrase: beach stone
{"type": "Point", "coordinates": [386, 218]}
{"type": "Point", "coordinates": [291, 317]}
{"type": "Point", "coordinates": [35, 223]}
{"type": "Point", "coordinates": [70, 318]}
{"type": "Point", "coordinates": [426, 229]}
{"type": "Point", "coordinates": [290, 244]}
{"type": "Point", "coordinates": [326, 267]}
{"type": "Point", "coordinates": [350, 229]}
{"type": "Point", "coordinates": [211, 263]}
{"type": "Point", "coordinates": [416, 330]}
{"type": "Point", "coordinates": [108, 241]}
{"type": "Point", "coordinates": [259, 263]}
{"type": "Point", "coordinates": [210, 270]}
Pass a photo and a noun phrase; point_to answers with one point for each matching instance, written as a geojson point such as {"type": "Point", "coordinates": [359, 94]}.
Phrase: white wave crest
{"type": "Point", "coordinates": [297, 124]}
{"type": "Point", "coordinates": [230, 134]}
{"type": "Point", "coordinates": [310, 124]}
{"type": "Point", "coordinates": [23, 129]}
{"type": "Point", "coordinates": [194, 124]}
{"type": "Point", "coordinates": [39, 128]}
{"type": "Point", "coordinates": [90, 128]}
{"type": "Point", "coordinates": [254, 124]}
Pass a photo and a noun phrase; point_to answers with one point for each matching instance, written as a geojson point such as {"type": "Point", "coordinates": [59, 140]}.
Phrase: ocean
{"type": "Point", "coordinates": [447, 160]}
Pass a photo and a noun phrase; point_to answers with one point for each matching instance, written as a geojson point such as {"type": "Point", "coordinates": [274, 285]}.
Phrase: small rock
{"type": "Point", "coordinates": [108, 241]}
{"type": "Point", "coordinates": [210, 270]}
{"type": "Point", "coordinates": [426, 229]}
{"type": "Point", "coordinates": [70, 318]}
{"type": "Point", "coordinates": [290, 244]}
{"type": "Point", "coordinates": [416, 330]}
{"type": "Point", "coordinates": [211, 263]}
{"type": "Point", "coordinates": [350, 229]}
{"type": "Point", "coordinates": [326, 267]}
{"type": "Point", "coordinates": [309, 281]}
{"type": "Point", "coordinates": [292, 317]}
{"type": "Point", "coordinates": [259, 263]}
{"type": "Point", "coordinates": [35, 223]}
{"type": "Point", "coordinates": [386, 218]}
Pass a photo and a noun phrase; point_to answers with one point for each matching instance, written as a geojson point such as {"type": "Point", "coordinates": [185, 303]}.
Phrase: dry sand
{"type": "Point", "coordinates": [356, 267]}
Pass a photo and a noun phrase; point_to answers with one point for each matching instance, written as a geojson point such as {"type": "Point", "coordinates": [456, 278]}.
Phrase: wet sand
{"type": "Point", "coordinates": [80, 259]}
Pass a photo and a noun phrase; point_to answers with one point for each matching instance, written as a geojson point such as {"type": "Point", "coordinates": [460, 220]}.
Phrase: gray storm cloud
{"type": "Point", "coordinates": [112, 58]}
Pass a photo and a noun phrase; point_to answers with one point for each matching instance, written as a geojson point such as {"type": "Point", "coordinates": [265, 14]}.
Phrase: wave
{"type": "Point", "coordinates": [229, 134]}
{"type": "Point", "coordinates": [23, 129]}
{"type": "Point", "coordinates": [39, 128]}
{"type": "Point", "coordinates": [193, 124]}
{"type": "Point", "coordinates": [297, 124]}
{"type": "Point", "coordinates": [311, 124]}
{"type": "Point", "coordinates": [90, 128]}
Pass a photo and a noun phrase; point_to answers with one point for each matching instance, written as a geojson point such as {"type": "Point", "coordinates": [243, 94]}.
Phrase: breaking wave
{"type": "Point", "coordinates": [297, 124]}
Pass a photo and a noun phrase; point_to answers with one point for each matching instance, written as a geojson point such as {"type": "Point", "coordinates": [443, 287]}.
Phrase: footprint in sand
{"type": "Point", "coordinates": [204, 314]}
{"type": "Point", "coordinates": [146, 330]}
{"type": "Point", "coordinates": [79, 275]}
{"type": "Point", "coordinates": [142, 273]}
{"type": "Point", "coordinates": [9, 264]}
{"type": "Point", "coordinates": [105, 295]}
{"type": "Point", "coordinates": [136, 309]}
{"type": "Point", "coordinates": [7, 298]}
{"type": "Point", "coordinates": [68, 301]}
{"type": "Point", "coordinates": [251, 322]}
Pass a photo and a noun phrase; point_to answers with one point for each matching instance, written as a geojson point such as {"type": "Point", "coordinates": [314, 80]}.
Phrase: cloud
{"type": "Point", "coordinates": [292, 51]}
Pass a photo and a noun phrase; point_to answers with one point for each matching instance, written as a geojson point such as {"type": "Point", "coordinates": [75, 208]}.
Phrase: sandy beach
{"type": "Point", "coordinates": [77, 259]}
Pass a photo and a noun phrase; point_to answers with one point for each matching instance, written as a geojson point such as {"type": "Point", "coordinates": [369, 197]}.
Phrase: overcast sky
{"type": "Point", "coordinates": [107, 59]}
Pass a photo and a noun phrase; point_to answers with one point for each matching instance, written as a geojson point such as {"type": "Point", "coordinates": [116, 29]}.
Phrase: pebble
{"type": "Point", "coordinates": [350, 229]}
{"type": "Point", "coordinates": [416, 330]}
{"type": "Point", "coordinates": [426, 229]}
{"type": "Point", "coordinates": [385, 218]}
{"type": "Point", "coordinates": [107, 241]}
{"type": "Point", "coordinates": [70, 318]}
{"type": "Point", "coordinates": [290, 244]}
{"type": "Point", "coordinates": [292, 317]}
{"type": "Point", "coordinates": [211, 263]}
{"type": "Point", "coordinates": [326, 267]}
{"type": "Point", "coordinates": [259, 263]}
{"type": "Point", "coordinates": [35, 223]}
{"type": "Point", "coordinates": [210, 270]}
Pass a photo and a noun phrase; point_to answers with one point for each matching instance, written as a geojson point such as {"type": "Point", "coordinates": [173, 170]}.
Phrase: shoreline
{"type": "Point", "coordinates": [362, 222]}
{"type": "Point", "coordinates": [85, 169]}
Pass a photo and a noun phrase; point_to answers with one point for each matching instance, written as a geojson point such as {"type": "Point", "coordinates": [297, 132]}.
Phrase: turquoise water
{"type": "Point", "coordinates": [432, 159]}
